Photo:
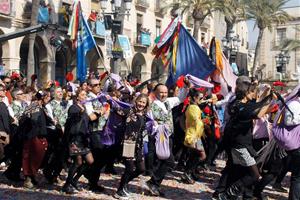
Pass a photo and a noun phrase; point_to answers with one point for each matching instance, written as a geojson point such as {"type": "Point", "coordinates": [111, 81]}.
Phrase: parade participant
{"type": "Point", "coordinates": [135, 126]}
{"type": "Point", "coordinates": [161, 111]}
{"type": "Point", "coordinates": [94, 109]}
{"type": "Point", "coordinates": [76, 137]}
{"type": "Point", "coordinates": [35, 142]}
{"type": "Point", "coordinates": [16, 145]}
{"type": "Point", "coordinates": [193, 133]}
{"type": "Point", "coordinates": [286, 131]}
{"type": "Point", "coordinates": [59, 109]}
{"type": "Point", "coordinates": [239, 135]}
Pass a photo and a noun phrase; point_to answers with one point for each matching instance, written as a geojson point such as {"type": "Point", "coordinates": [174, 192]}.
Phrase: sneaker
{"type": "Point", "coordinates": [28, 184]}
{"type": "Point", "coordinates": [152, 189]}
{"type": "Point", "coordinates": [186, 178]}
{"type": "Point", "coordinates": [277, 187]}
{"type": "Point", "coordinates": [120, 194]}
{"type": "Point", "coordinates": [125, 189]}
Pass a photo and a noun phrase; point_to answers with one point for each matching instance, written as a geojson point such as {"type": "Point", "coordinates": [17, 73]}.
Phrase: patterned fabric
{"type": "Point", "coordinates": [98, 124]}
{"type": "Point", "coordinates": [162, 117]}
{"type": "Point", "coordinates": [18, 109]}
{"type": "Point", "coordinates": [60, 111]}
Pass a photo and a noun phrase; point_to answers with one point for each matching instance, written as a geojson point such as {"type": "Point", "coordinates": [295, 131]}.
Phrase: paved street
{"type": "Point", "coordinates": [171, 187]}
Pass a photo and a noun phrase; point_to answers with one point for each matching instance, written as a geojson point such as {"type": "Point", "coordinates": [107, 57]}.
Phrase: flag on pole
{"type": "Point", "coordinates": [82, 37]}
{"type": "Point", "coordinates": [85, 42]}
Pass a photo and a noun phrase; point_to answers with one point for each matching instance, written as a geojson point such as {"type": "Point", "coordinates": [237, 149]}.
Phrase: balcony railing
{"type": "Point", "coordinates": [142, 39]}
{"type": "Point", "coordinates": [142, 3]}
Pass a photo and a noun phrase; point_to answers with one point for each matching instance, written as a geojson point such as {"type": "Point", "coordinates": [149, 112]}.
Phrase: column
{"type": "Point", "coordinates": [46, 71]}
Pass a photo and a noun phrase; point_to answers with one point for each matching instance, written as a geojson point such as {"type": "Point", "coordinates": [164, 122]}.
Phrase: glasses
{"type": "Point", "coordinates": [20, 94]}
{"type": "Point", "coordinates": [7, 83]}
{"type": "Point", "coordinates": [95, 85]}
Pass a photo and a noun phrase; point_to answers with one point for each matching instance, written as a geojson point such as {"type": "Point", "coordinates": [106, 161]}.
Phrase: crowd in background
{"type": "Point", "coordinates": [151, 129]}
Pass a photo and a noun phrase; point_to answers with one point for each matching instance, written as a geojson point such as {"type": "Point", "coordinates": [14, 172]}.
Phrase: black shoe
{"type": "Point", "coordinates": [13, 177]}
{"type": "Point", "coordinates": [110, 170]}
{"type": "Point", "coordinates": [152, 189]}
{"type": "Point", "coordinates": [67, 188]}
{"type": "Point", "coordinates": [96, 188]}
{"type": "Point", "coordinates": [223, 196]}
{"type": "Point", "coordinates": [121, 194]}
{"type": "Point", "coordinates": [277, 187]}
{"type": "Point", "coordinates": [260, 196]}
{"type": "Point", "coordinates": [75, 185]}
{"type": "Point", "coordinates": [186, 178]}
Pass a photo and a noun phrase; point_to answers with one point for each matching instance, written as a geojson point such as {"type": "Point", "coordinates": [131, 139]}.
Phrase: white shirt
{"type": "Point", "coordinates": [89, 105]}
{"type": "Point", "coordinates": [294, 106]}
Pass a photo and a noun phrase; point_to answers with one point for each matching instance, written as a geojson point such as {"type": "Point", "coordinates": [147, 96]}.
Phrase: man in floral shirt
{"type": "Point", "coordinates": [161, 109]}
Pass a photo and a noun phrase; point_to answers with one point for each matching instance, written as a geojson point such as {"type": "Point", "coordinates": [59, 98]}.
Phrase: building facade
{"type": "Point", "coordinates": [269, 49]}
{"type": "Point", "coordinates": [142, 26]}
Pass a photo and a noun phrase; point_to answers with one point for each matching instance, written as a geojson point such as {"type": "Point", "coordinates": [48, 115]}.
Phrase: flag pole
{"type": "Point", "coordinates": [101, 59]}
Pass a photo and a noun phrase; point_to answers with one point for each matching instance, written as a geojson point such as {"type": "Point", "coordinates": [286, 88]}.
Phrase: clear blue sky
{"type": "Point", "coordinates": [253, 34]}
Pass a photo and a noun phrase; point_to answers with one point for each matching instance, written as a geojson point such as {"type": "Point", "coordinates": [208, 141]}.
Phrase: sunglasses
{"type": "Point", "coordinates": [20, 94]}
{"type": "Point", "coordinates": [95, 85]}
{"type": "Point", "coordinates": [7, 83]}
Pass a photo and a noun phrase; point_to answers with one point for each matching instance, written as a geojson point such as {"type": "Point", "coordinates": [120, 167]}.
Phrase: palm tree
{"type": "Point", "coordinates": [233, 11]}
{"type": "Point", "coordinates": [265, 13]}
{"type": "Point", "coordinates": [289, 45]}
{"type": "Point", "coordinates": [30, 59]}
{"type": "Point", "coordinates": [199, 10]}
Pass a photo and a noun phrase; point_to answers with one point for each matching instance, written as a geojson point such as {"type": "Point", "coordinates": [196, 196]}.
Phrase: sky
{"type": "Point", "coordinates": [253, 34]}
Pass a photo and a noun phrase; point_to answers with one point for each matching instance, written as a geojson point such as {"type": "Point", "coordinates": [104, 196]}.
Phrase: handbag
{"type": "Point", "coordinates": [288, 137]}
{"type": "Point", "coordinates": [128, 149]}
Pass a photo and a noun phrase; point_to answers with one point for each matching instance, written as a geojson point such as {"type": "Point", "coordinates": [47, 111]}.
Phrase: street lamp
{"type": "Point", "coordinates": [282, 60]}
{"type": "Point", "coordinates": [231, 44]}
{"type": "Point", "coordinates": [117, 10]}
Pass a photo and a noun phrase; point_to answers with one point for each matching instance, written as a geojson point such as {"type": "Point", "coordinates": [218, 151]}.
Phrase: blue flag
{"type": "Point", "coordinates": [85, 41]}
{"type": "Point", "coordinates": [190, 59]}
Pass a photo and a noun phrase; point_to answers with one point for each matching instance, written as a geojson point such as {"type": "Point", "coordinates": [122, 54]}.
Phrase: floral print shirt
{"type": "Point", "coordinates": [60, 111]}
{"type": "Point", "coordinates": [18, 108]}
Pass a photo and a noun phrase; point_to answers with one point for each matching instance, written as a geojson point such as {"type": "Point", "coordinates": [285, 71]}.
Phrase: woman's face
{"type": "Point", "coordinates": [84, 86]}
{"type": "Point", "coordinates": [141, 104]}
{"type": "Point", "coordinates": [82, 96]}
{"type": "Point", "coordinates": [198, 98]}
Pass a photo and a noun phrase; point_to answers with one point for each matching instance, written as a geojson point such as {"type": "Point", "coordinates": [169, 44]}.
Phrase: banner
{"type": "Point", "coordinates": [108, 45]}
{"type": "Point", "coordinates": [5, 7]}
{"type": "Point", "coordinates": [125, 45]}
{"type": "Point", "coordinates": [100, 28]}
{"type": "Point", "coordinates": [145, 39]}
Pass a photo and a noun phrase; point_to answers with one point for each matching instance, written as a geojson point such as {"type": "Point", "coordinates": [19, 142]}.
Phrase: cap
{"type": "Point", "coordinates": [243, 79]}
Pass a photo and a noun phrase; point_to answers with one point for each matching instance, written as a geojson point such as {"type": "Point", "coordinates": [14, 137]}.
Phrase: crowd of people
{"type": "Point", "coordinates": [151, 129]}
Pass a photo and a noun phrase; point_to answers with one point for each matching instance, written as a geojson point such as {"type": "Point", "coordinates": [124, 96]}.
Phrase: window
{"type": "Point", "coordinates": [158, 28]}
{"type": "Point", "coordinates": [139, 25]}
{"type": "Point", "coordinates": [281, 35]}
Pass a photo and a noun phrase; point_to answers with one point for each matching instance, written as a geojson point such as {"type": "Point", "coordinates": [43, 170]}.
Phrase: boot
{"type": "Point", "coordinates": [80, 172]}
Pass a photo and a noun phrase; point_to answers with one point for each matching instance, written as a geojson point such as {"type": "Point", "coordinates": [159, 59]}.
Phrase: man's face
{"type": "Point", "coordinates": [162, 93]}
{"type": "Point", "coordinates": [58, 94]}
{"type": "Point", "coordinates": [95, 86]}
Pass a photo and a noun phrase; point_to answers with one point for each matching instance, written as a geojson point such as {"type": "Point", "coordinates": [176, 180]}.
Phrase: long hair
{"type": "Point", "coordinates": [143, 96]}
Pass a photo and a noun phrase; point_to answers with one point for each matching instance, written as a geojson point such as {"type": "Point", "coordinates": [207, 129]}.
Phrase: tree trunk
{"type": "Point", "coordinates": [196, 29]}
{"type": "Point", "coordinates": [257, 52]}
{"type": "Point", "coordinates": [30, 59]}
{"type": "Point", "coordinates": [229, 27]}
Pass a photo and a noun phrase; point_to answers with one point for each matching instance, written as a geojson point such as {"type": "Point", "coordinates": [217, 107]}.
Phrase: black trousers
{"type": "Point", "coordinates": [162, 166]}
{"type": "Point", "coordinates": [132, 170]}
{"type": "Point", "coordinates": [192, 161]}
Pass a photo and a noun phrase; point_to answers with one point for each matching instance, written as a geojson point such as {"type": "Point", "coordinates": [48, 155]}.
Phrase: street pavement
{"type": "Point", "coordinates": [172, 187]}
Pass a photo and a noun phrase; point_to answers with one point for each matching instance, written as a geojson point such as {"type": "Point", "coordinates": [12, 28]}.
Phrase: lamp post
{"type": "Point", "coordinates": [282, 60]}
{"type": "Point", "coordinates": [117, 12]}
{"type": "Point", "coordinates": [231, 44]}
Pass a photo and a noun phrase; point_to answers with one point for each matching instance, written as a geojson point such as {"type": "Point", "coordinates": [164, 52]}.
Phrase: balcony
{"type": "Point", "coordinates": [142, 41]}
{"type": "Point", "coordinates": [142, 5]}
{"type": "Point", "coordinates": [159, 11]}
